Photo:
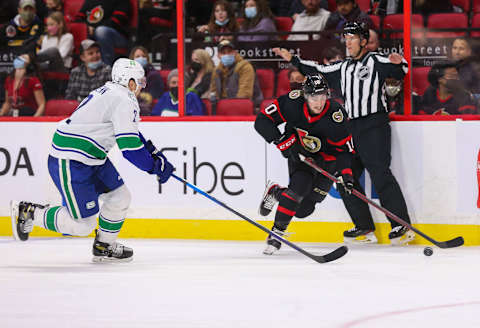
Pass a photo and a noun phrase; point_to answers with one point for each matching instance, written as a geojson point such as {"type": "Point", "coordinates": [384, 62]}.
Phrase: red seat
{"type": "Point", "coordinates": [420, 80]}
{"type": "Point", "coordinates": [476, 6]}
{"type": "Point", "coordinates": [332, 5]}
{"type": "Point", "coordinates": [265, 103]}
{"type": "Point", "coordinates": [284, 24]}
{"type": "Point", "coordinates": [235, 107]}
{"type": "Point", "coordinates": [283, 83]}
{"type": "Point", "coordinates": [79, 32]}
{"type": "Point", "coordinates": [395, 22]}
{"type": "Point", "coordinates": [376, 21]}
{"type": "Point", "coordinates": [455, 20]}
{"type": "Point", "coordinates": [266, 80]}
{"type": "Point", "coordinates": [476, 23]}
{"type": "Point", "coordinates": [132, 23]}
{"type": "Point", "coordinates": [71, 8]}
{"type": "Point", "coordinates": [164, 74]}
{"type": "Point", "coordinates": [60, 107]}
{"type": "Point", "coordinates": [464, 4]}
{"type": "Point", "coordinates": [364, 5]}
{"type": "Point", "coordinates": [208, 106]}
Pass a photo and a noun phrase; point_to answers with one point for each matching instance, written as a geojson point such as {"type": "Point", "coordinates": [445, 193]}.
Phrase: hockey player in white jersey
{"type": "Point", "coordinates": [81, 170]}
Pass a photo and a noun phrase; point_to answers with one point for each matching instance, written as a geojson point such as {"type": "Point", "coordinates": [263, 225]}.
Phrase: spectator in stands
{"type": "Point", "coordinates": [295, 78]}
{"type": "Point", "coordinates": [56, 45]}
{"type": "Point", "coordinates": [446, 95]}
{"type": "Point", "coordinates": [234, 77]}
{"type": "Point", "coordinates": [155, 87]}
{"type": "Point", "coordinates": [23, 90]}
{"type": "Point", "coordinates": [22, 32]}
{"type": "Point", "coordinates": [313, 18]}
{"type": "Point", "coordinates": [467, 65]}
{"type": "Point", "coordinates": [54, 6]}
{"type": "Point", "coordinates": [347, 11]}
{"type": "Point", "coordinates": [388, 7]}
{"type": "Point", "coordinates": [373, 41]}
{"type": "Point", "coordinates": [167, 105]}
{"type": "Point", "coordinates": [107, 22]}
{"type": "Point", "coordinates": [199, 76]}
{"type": "Point", "coordinates": [394, 93]}
{"type": "Point", "coordinates": [90, 75]}
{"type": "Point", "coordinates": [331, 55]}
{"type": "Point", "coordinates": [222, 20]}
{"type": "Point", "coordinates": [8, 10]}
{"type": "Point", "coordinates": [160, 10]}
{"type": "Point", "coordinates": [289, 8]}
{"type": "Point", "coordinates": [257, 18]}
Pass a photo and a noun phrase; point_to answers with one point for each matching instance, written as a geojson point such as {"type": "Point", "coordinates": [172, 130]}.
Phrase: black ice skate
{"type": "Point", "coordinates": [22, 218]}
{"type": "Point", "coordinates": [273, 244]}
{"type": "Point", "coordinates": [360, 236]}
{"type": "Point", "coordinates": [104, 252]}
{"type": "Point", "coordinates": [401, 235]}
{"type": "Point", "coordinates": [269, 199]}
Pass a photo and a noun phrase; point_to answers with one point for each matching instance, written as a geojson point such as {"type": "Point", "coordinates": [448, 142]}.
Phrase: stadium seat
{"type": "Point", "coordinates": [266, 80]}
{"type": "Point", "coordinates": [284, 24]}
{"type": "Point", "coordinates": [164, 74]}
{"type": "Point", "coordinates": [266, 103]}
{"type": "Point", "coordinates": [476, 24]}
{"type": "Point", "coordinates": [454, 20]}
{"type": "Point", "coordinates": [476, 6]}
{"type": "Point", "coordinates": [376, 21]}
{"type": "Point", "coordinates": [132, 23]}
{"type": "Point", "coordinates": [60, 107]}
{"type": "Point", "coordinates": [420, 80]}
{"type": "Point", "coordinates": [464, 4]}
{"type": "Point", "coordinates": [71, 8]}
{"type": "Point", "coordinates": [395, 22]}
{"type": "Point", "coordinates": [332, 5]}
{"type": "Point", "coordinates": [208, 106]}
{"type": "Point", "coordinates": [364, 5]}
{"type": "Point", "coordinates": [79, 32]}
{"type": "Point", "coordinates": [235, 107]}
{"type": "Point", "coordinates": [283, 84]}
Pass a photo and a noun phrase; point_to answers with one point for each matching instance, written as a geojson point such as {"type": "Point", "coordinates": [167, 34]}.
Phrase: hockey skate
{"type": "Point", "coordinates": [273, 245]}
{"type": "Point", "coordinates": [401, 235]}
{"type": "Point", "coordinates": [104, 252]}
{"type": "Point", "coordinates": [359, 236]}
{"type": "Point", "coordinates": [22, 218]}
{"type": "Point", "coordinates": [268, 200]}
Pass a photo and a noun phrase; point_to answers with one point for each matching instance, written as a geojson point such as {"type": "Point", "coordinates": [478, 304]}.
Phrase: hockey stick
{"type": "Point", "coordinates": [458, 241]}
{"type": "Point", "coordinates": [339, 252]}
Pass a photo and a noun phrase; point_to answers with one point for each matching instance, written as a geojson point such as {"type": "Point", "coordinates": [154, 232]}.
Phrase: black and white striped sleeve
{"type": "Point", "coordinates": [388, 69]}
{"type": "Point", "coordinates": [331, 72]}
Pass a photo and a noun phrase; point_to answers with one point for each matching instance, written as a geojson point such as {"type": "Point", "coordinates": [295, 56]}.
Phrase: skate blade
{"type": "Point", "coordinates": [13, 216]}
{"type": "Point", "coordinates": [360, 240]}
{"type": "Point", "coordinates": [105, 259]}
{"type": "Point", "coordinates": [403, 240]}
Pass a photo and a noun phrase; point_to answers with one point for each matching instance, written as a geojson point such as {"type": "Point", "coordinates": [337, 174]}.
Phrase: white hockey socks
{"type": "Point", "coordinates": [58, 219]}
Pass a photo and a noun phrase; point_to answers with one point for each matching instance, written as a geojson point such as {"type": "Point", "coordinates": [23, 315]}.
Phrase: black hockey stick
{"type": "Point", "coordinates": [458, 241]}
{"type": "Point", "coordinates": [339, 252]}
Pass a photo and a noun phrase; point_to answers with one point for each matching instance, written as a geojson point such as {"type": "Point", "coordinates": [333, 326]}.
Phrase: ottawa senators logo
{"type": "Point", "coordinates": [95, 15]}
{"type": "Point", "coordinates": [294, 94]}
{"type": "Point", "coordinates": [338, 116]}
{"type": "Point", "coordinates": [309, 143]}
{"type": "Point", "coordinates": [10, 31]}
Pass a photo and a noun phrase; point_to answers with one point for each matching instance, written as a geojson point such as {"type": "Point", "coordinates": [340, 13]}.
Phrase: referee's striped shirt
{"type": "Point", "coordinates": [360, 81]}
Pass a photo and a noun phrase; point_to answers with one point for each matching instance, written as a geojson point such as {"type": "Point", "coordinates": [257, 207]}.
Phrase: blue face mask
{"type": "Point", "coordinates": [19, 62]}
{"type": "Point", "coordinates": [142, 61]}
{"type": "Point", "coordinates": [94, 65]}
{"type": "Point", "coordinates": [219, 23]}
{"type": "Point", "coordinates": [227, 60]}
{"type": "Point", "coordinates": [251, 12]}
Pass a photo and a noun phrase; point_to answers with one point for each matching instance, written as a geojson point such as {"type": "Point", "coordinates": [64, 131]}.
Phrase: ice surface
{"type": "Point", "coordinates": [176, 283]}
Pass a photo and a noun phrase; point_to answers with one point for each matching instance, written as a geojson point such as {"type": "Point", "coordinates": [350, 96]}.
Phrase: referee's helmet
{"type": "Point", "coordinates": [359, 28]}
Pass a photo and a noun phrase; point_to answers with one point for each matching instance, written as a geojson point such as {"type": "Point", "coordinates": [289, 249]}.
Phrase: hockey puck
{"type": "Point", "coordinates": [428, 251]}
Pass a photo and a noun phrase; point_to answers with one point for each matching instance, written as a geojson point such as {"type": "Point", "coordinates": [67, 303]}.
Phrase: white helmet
{"type": "Point", "coordinates": [125, 69]}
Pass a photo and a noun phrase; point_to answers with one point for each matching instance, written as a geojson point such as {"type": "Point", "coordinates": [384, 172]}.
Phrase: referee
{"type": "Point", "coordinates": [361, 77]}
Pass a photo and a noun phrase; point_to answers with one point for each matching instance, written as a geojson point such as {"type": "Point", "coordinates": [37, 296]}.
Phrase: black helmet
{"type": "Point", "coordinates": [315, 84]}
{"type": "Point", "coordinates": [359, 28]}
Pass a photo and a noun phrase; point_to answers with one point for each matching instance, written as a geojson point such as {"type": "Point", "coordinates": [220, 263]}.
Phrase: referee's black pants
{"type": "Point", "coordinates": [372, 142]}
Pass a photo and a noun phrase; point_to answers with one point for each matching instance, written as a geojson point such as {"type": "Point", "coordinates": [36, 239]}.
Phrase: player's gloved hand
{"type": "Point", "coordinates": [161, 167]}
{"type": "Point", "coordinates": [289, 146]}
{"type": "Point", "coordinates": [150, 147]}
{"type": "Point", "coordinates": [346, 179]}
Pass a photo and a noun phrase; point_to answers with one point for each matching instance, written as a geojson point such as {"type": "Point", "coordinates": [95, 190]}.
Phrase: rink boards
{"type": "Point", "coordinates": [434, 162]}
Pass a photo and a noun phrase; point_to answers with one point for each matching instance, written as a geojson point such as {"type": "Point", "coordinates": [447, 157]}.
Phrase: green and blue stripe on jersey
{"type": "Point", "coordinates": [77, 143]}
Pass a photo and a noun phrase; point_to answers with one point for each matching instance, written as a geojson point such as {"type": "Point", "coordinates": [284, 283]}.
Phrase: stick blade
{"type": "Point", "coordinates": [332, 256]}
{"type": "Point", "coordinates": [451, 243]}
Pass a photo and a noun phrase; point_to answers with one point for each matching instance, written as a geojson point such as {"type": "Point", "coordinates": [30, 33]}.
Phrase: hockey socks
{"type": "Point", "coordinates": [288, 203]}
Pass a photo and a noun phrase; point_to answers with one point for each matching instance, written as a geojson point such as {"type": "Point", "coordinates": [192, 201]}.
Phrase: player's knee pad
{"type": "Point", "coordinates": [85, 226]}
{"type": "Point", "coordinates": [116, 203]}
{"type": "Point", "coordinates": [305, 209]}
{"type": "Point", "coordinates": [290, 194]}
{"type": "Point", "coordinates": [318, 195]}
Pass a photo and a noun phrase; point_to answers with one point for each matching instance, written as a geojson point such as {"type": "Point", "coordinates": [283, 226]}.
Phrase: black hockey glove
{"type": "Point", "coordinates": [161, 167]}
{"type": "Point", "coordinates": [289, 146]}
{"type": "Point", "coordinates": [346, 179]}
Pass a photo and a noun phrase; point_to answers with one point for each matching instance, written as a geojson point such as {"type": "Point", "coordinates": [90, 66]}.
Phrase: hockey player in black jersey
{"type": "Point", "coordinates": [315, 127]}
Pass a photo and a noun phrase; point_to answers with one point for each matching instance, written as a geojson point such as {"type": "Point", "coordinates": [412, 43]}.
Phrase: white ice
{"type": "Point", "coordinates": [176, 283]}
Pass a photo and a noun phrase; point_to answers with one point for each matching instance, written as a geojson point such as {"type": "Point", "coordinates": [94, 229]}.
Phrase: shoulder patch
{"type": "Point", "coordinates": [294, 94]}
{"type": "Point", "coordinates": [338, 116]}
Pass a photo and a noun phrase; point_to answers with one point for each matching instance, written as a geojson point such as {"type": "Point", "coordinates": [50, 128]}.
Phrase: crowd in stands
{"type": "Point", "coordinates": [65, 49]}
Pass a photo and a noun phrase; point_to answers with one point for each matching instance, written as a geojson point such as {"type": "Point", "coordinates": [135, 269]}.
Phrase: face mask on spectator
{"type": "Point", "coordinates": [227, 60]}
{"type": "Point", "coordinates": [295, 86]}
{"type": "Point", "coordinates": [174, 92]}
{"type": "Point", "coordinates": [251, 12]}
{"type": "Point", "coordinates": [142, 61]}
{"type": "Point", "coordinates": [220, 23]}
{"type": "Point", "coordinates": [94, 65]}
{"type": "Point", "coordinates": [27, 16]}
{"type": "Point", "coordinates": [454, 85]}
{"type": "Point", "coordinates": [196, 67]}
{"type": "Point", "coordinates": [19, 62]}
{"type": "Point", "coordinates": [52, 29]}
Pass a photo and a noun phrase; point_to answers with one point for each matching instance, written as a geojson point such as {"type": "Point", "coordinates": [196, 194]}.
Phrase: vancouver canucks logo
{"type": "Point", "coordinates": [363, 73]}
{"type": "Point", "coordinates": [310, 143]}
{"type": "Point", "coordinates": [338, 116]}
